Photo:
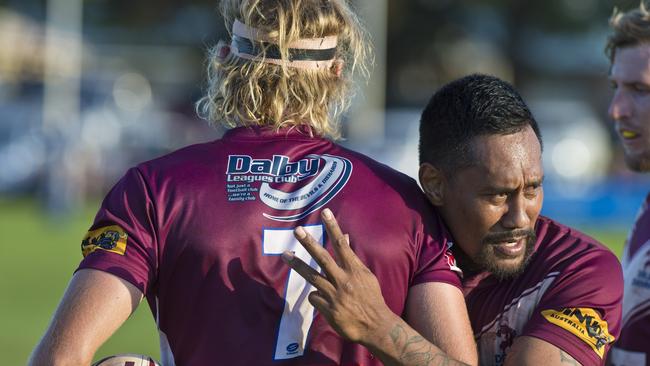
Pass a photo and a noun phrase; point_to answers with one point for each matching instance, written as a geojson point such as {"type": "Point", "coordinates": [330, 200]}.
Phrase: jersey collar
{"type": "Point", "coordinates": [256, 132]}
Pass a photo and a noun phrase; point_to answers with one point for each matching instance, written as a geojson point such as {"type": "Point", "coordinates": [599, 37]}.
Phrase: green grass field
{"type": "Point", "coordinates": [37, 258]}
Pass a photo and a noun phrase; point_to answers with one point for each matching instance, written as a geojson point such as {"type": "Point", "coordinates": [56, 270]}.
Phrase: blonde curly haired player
{"type": "Point", "coordinates": [305, 56]}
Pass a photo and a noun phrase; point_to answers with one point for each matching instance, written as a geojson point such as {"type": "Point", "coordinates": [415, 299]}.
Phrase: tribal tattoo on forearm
{"type": "Point", "coordinates": [416, 350]}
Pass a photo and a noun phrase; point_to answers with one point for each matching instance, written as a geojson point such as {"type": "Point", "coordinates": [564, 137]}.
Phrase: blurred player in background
{"type": "Point", "coordinates": [628, 48]}
{"type": "Point", "coordinates": [537, 292]}
{"type": "Point", "coordinates": [200, 232]}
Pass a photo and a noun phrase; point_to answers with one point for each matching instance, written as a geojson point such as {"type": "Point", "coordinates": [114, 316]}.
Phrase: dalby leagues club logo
{"type": "Point", "coordinates": [317, 179]}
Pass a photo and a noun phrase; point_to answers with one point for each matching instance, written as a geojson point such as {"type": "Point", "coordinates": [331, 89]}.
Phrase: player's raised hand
{"type": "Point", "coordinates": [349, 297]}
{"type": "Point", "coordinates": [348, 294]}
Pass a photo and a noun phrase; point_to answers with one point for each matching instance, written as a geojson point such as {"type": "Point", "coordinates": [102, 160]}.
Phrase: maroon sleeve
{"type": "Point", "coordinates": [122, 239]}
{"type": "Point", "coordinates": [436, 262]}
{"type": "Point", "coordinates": [581, 312]}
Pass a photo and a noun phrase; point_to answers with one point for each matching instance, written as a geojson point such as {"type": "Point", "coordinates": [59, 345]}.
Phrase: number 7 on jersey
{"type": "Point", "coordinates": [298, 313]}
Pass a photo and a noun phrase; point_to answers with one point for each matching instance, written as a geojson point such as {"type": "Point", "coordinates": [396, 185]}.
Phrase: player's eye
{"type": "Point", "coordinates": [640, 88]}
{"type": "Point", "coordinates": [532, 191]}
{"type": "Point", "coordinates": [497, 197]}
{"type": "Point", "coordinates": [613, 85]}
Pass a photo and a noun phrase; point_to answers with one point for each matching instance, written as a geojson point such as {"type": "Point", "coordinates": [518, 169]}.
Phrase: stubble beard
{"type": "Point", "coordinates": [638, 163]}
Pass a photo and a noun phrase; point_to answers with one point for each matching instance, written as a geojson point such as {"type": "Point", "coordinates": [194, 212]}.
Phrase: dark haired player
{"type": "Point", "coordinates": [200, 232]}
{"type": "Point", "coordinates": [537, 292]}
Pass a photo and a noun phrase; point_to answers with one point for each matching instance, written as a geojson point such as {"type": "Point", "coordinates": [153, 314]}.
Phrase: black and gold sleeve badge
{"type": "Point", "coordinates": [109, 238]}
{"type": "Point", "coordinates": [585, 323]}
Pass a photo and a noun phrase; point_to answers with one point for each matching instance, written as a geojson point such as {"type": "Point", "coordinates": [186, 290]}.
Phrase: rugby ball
{"type": "Point", "coordinates": [127, 359]}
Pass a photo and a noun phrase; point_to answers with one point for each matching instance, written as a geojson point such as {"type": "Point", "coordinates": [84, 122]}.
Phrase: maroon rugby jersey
{"type": "Point", "coordinates": [200, 232]}
{"type": "Point", "coordinates": [569, 295]}
{"type": "Point", "coordinates": [633, 347]}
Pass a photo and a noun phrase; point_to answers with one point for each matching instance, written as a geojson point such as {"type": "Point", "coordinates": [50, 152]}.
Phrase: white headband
{"type": "Point", "coordinates": [322, 47]}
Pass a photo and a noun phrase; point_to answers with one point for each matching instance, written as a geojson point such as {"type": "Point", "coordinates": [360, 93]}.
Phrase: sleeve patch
{"type": "Point", "coordinates": [451, 260]}
{"type": "Point", "coordinates": [585, 323]}
{"type": "Point", "coordinates": [109, 238]}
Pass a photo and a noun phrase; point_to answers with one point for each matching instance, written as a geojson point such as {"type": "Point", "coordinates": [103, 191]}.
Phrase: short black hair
{"type": "Point", "coordinates": [472, 106]}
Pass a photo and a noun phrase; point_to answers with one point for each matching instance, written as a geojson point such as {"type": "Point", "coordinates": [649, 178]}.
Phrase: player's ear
{"type": "Point", "coordinates": [432, 181]}
{"type": "Point", "coordinates": [337, 67]}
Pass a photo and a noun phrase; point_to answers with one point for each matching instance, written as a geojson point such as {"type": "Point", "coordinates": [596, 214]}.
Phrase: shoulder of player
{"type": "Point", "coordinates": [176, 166]}
{"type": "Point", "coordinates": [185, 158]}
{"type": "Point", "coordinates": [560, 243]}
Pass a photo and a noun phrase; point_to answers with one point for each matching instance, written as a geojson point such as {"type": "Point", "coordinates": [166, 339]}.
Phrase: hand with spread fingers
{"type": "Point", "coordinates": [349, 297]}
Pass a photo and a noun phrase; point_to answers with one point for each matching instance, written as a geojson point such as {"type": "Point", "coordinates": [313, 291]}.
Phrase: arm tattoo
{"type": "Point", "coordinates": [565, 358]}
{"type": "Point", "coordinates": [416, 350]}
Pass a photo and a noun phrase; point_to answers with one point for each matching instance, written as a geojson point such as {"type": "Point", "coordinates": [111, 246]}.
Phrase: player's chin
{"type": "Point", "coordinates": [638, 162]}
{"type": "Point", "coordinates": [509, 268]}
{"type": "Point", "coordinates": [504, 267]}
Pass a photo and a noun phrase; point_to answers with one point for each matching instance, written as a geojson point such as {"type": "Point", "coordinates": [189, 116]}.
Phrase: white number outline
{"type": "Point", "coordinates": [298, 313]}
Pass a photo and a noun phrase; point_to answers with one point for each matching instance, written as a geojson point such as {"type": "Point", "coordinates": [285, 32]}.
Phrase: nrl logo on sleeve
{"type": "Point", "coordinates": [109, 238]}
{"type": "Point", "coordinates": [317, 179]}
{"type": "Point", "coordinates": [585, 323]}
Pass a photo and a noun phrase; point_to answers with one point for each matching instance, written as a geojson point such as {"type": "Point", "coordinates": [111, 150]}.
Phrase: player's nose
{"type": "Point", "coordinates": [620, 106]}
{"type": "Point", "coordinates": [517, 215]}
